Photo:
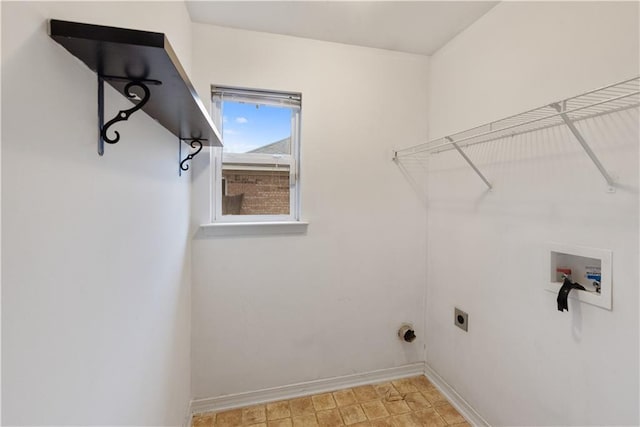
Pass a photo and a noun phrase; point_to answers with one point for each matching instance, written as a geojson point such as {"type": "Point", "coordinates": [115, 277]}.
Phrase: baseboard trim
{"type": "Point", "coordinates": [188, 417]}
{"type": "Point", "coordinates": [303, 389]}
{"type": "Point", "coordinates": [466, 410]}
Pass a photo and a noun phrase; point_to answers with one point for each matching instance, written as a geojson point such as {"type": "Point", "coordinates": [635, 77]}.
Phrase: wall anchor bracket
{"type": "Point", "coordinates": [122, 114]}
{"type": "Point", "coordinates": [473, 166]}
{"type": "Point", "coordinates": [195, 143]}
{"type": "Point", "coordinates": [576, 133]}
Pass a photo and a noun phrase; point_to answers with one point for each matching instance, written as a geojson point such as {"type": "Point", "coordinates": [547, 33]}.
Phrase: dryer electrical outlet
{"type": "Point", "coordinates": [461, 319]}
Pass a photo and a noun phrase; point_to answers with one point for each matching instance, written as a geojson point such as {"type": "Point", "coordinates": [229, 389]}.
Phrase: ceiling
{"type": "Point", "coordinates": [408, 26]}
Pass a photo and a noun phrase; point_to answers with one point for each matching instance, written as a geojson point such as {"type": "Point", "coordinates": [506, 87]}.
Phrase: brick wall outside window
{"type": "Point", "coordinates": [265, 192]}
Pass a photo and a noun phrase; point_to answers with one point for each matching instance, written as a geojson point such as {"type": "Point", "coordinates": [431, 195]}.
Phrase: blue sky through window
{"type": "Point", "coordinates": [245, 127]}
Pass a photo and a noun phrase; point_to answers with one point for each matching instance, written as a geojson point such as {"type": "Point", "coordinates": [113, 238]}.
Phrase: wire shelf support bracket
{"type": "Point", "coordinates": [473, 166]}
{"type": "Point", "coordinates": [576, 133]}
{"type": "Point", "coordinates": [598, 102]}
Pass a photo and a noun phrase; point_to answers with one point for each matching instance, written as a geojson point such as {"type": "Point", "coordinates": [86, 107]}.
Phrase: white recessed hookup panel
{"type": "Point", "coordinates": [585, 265]}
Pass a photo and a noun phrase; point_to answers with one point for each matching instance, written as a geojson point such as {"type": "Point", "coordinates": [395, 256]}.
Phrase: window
{"type": "Point", "coordinates": [256, 173]}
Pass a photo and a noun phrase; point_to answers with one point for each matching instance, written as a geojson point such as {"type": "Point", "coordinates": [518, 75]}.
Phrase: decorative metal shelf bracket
{"type": "Point", "coordinates": [572, 127]}
{"type": "Point", "coordinates": [122, 114]}
{"type": "Point", "coordinates": [195, 143]}
{"type": "Point", "coordinates": [473, 166]}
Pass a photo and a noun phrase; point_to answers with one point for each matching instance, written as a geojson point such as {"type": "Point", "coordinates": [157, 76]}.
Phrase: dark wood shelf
{"type": "Point", "coordinates": [141, 55]}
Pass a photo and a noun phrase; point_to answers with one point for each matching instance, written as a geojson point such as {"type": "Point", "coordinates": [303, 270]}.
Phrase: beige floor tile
{"type": "Point", "coordinates": [406, 420]}
{"type": "Point", "coordinates": [344, 397]}
{"type": "Point", "coordinates": [352, 414]}
{"type": "Point", "coordinates": [254, 414]}
{"type": "Point", "coordinates": [374, 409]}
{"type": "Point", "coordinates": [384, 389]}
{"type": "Point", "coordinates": [323, 402]}
{"type": "Point", "coordinates": [365, 393]}
{"type": "Point", "coordinates": [392, 395]}
{"type": "Point", "coordinates": [422, 383]}
{"type": "Point", "coordinates": [430, 418]}
{"type": "Point", "coordinates": [231, 418]}
{"type": "Point", "coordinates": [404, 386]}
{"type": "Point", "coordinates": [203, 420]}
{"type": "Point", "coordinates": [397, 407]}
{"type": "Point", "coordinates": [301, 406]}
{"type": "Point", "coordinates": [408, 402]}
{"type": "Point", "coordinates": [416, 401]}
{"type": "Point", "coordinates": [278, 410]}
{"type": "Point", "coordinates": [384, 422]}
{"type": "Point", "coordinates": [329, 418]}
{"type": "Point", "coordinates": [308, 420]}
{"type": "Point", "coordinates": [449, 414]}
{"type": "Point", "coordinates": [434, 397]}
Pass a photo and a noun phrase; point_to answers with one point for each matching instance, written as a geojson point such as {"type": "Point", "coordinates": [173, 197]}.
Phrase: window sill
{"type": "Point", "coordinates": [253, 228]}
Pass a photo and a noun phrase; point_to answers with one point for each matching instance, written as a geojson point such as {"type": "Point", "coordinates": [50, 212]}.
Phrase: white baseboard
{"type": "Point", "coordinates": [466, 410]}
{"type": "Point", "coordinates": [188, 417]}
{"type": "Point", "coordinates": [304, 389]}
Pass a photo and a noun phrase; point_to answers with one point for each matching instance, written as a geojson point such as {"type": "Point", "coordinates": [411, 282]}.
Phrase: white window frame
{"type": "Point", "coordinates": [263, 97]}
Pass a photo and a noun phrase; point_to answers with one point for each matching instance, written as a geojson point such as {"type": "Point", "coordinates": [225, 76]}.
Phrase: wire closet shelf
{"type": "Point", "coordinates": [606, 100]}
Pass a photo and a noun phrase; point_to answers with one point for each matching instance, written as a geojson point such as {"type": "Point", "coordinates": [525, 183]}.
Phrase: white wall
{"type": "Point", "coordinates": [277, 310]}
{"type": "Point", "coordinates": [95, 296]}
{"type": "Point", "coordinates": [523, 362]}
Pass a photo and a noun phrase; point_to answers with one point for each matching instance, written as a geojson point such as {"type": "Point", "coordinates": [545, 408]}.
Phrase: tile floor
{"type": "Point", "coordinates": [407, 402]}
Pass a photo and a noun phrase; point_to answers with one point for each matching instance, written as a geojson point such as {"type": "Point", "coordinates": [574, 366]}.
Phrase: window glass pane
{"type": "Point", "coordinates": [256, 128]}
{"type": "Point", "coordinates": [255, 189]}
